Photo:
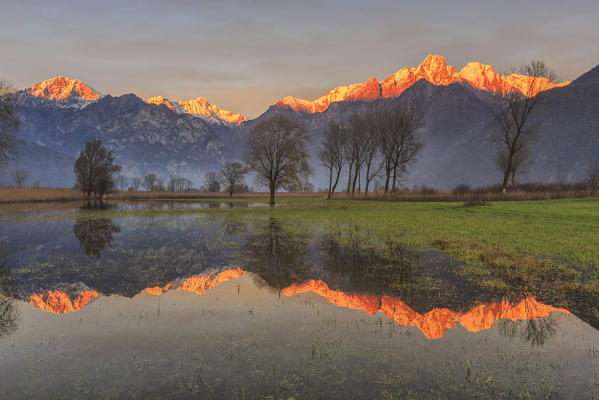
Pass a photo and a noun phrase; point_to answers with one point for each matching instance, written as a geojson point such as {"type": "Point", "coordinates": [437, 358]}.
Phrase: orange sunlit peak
{"type": "Point", "coordinates": [60, 302]}
{"type": "Point", "coordinates": [433, 69]}
{"type": "Point", "coordinates": [199, 107]}
{"type": "Point", "coordinates": [62, 88]}
{"type": "Point", "coordinates": [434, 323]}
{"type": "Point", "coordinates": [198, 284]}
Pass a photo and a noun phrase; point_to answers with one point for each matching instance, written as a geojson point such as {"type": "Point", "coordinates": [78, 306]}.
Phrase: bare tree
{"type": "Point", "coordinates": [159, 187]}
{"type": "Point", "coordinates": [332, 155]}
{"type": "Point", "coordinates": [276, 150]}
{"type": "Point", "coordinates": [150, 182]}
{"type": "Point", "coordinates": [232, 174]}
{"type": "Point", "coordinates": [136, 183]}
{"type": "Point", "coordinates": [301, 183]}
{"type": "Point", "coordinates": [9, 120]}
{"type": "Point", "coordinates": [186, 185]}
{"type": "Point", "coordinates": [592, 173]}
{"type": "Point", "coordinates": [94, 169]}
{"type": "Point", "coordinates": [174, 183]}
{"type": "Point", "coordinates": [520, 162]}
{"type": "Point", "coordinates": [372, 150]}
{"type": "Point", "coordinates": [212, 181]}
{"type": "Point", "coordinates": [121, 182]}
{"type": "Point", "coordinates": [178, 184]}
{"type": "Point", "coordinates": [19, 176]}
{"type": "Point", "coordinates": [400, 142]}
{"type": "Point", "coordinates": [512, 110]}
{"type": "Point", "coordinates": [355, 147]}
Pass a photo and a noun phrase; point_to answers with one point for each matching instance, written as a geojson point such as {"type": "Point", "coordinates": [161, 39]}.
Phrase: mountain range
{"type": "Point", "coordinates": [194, 136]}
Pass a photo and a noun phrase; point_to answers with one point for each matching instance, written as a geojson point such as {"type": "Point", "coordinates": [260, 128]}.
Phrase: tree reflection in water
{"type": "Point", "coordinates": [9, 313]}
{"type": "Point", "coordinates": [277, 255]}
{"type": "Point", "coordinates": [94, 234]}
{"type": "Point", "coordinates": [534, 331]}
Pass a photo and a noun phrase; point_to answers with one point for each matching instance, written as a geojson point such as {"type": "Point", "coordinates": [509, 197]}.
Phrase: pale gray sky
{"type": "Point", "coordinates": [246, 55]}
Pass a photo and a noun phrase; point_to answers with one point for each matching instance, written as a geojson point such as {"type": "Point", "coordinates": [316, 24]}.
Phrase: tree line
{"type": "Point", "coordinates": [373, 143]}
{"type": "Point", "coordinates": [376, 145]}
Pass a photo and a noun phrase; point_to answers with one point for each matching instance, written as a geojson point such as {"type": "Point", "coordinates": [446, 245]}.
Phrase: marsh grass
{"type": "Point", "coordinates": [16, 195]}
{"type": "Point", "coordinates": [31, 195]}
{"type": "Point", "coordinates": [478, 196]}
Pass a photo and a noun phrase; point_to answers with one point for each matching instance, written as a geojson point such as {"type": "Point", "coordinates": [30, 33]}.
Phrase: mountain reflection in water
{"type": "Point", "coordinates": [432, 324]}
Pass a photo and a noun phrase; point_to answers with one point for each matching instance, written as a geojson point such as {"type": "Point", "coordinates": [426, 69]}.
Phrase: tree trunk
{"type": "Point", "coordinates": [507, 172]}
{"type": "Point", "coordinates": [360, 182]}
{"type": "Point", "coordinates": [231, 191]}
{"type": "Point", "coordinates": [394, 178]}
{"type": "Point", "coordinates": [351, 166]}
{"type": "Point", "coordinates": [272, 193]}
{"type": "Point", "coordinates": [367, 175]}
{"type": "Point", "coordinates": [336, 181]}
{"type": "Point", "coordinates": [330, 181]}
{"type": "Point", "coordinates": [356, 173]}
{"type": "Point", "coordinates": [388, 175]}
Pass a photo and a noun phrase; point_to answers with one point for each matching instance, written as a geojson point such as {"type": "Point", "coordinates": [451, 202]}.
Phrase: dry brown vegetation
{"type": "Point", "coordinates": [206, 195]}
{"type": "Point", "coordinates": [18, 195]}
{"type": "Point", "coordinates": [464, 194]}
{"type": "Point", "coordinates": [479, 196]}
{"type": "Point", "coordinates": [21, 195]}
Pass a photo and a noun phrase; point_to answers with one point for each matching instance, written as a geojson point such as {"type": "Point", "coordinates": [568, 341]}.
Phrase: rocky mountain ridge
{"type": "Point", "coordinates": [433, 69]}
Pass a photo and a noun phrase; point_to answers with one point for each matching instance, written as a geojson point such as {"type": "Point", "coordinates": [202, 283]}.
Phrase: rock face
{"type": "Point", "coordinates": [433, 70]}
{"type": "Point", "coordinates": [199, 107]}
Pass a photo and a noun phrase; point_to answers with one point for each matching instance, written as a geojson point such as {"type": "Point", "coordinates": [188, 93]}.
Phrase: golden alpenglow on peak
{"type": "Point", "coordinates": [62, 88]}
{"type": "Point", "coordinates": [199, 107]}
{"type": "Point", "coordinates": [433, 69]}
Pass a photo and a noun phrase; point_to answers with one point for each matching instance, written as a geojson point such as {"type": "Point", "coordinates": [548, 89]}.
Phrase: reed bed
{"type": "Point", "coordinates": [33, 195]}
{"type": "Point", "coordinates": [478, 196]}
{"type": "Point", "coordinates": [206, 195]}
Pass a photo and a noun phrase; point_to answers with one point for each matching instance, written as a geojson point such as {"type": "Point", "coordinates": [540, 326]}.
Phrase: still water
{"type": "Point", "coordinates": [97, 304]}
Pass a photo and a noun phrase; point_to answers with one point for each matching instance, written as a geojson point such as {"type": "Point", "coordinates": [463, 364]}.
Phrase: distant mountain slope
{"type": "Point", "coordinates": [144, 138]}
{"type": "Point", "coordinates": [47, 167]}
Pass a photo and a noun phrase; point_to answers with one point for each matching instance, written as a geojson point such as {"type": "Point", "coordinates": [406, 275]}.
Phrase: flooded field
{"type": "Point", "coordinates": [208, 300]}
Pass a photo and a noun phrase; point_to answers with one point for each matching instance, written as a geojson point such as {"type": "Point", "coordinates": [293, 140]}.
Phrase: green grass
{"type": "Point", "coordinates": [563, 233]}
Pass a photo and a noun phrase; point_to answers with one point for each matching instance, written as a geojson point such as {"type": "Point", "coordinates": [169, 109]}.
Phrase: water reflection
{"type": "Point", "coordinates": [9, 316]}
{"type": "Point", "coordinates": [412, 286]}
{"type": "Point", "coordinates": [94, 234]}
{"type": "Point", "coordinates": [252, 306]}
{"type": "Point", "coordinates": [534, 331]}
{"type": "Point", "coordinates": [539, 326]}
{"type": "Point", "coordinates": [97, 205]}
{"type": "Point", "coordinates": [64, 298]}
{"type": "Point", "coordinates": [278, 255]}
{"type": "Point", "coordinates": [9, 313]}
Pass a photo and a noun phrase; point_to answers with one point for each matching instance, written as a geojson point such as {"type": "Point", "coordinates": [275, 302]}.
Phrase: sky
{"type": "Point", "coordinates": [246, 55]}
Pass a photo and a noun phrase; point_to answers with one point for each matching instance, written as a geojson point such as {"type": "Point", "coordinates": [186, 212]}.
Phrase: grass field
{"type": "Point", "coordinates": [554, 239]}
